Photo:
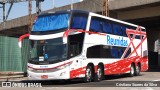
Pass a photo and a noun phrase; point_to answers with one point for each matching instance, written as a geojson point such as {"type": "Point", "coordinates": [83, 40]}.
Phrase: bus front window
{"type": "Point", "coordinates": [51, 50]}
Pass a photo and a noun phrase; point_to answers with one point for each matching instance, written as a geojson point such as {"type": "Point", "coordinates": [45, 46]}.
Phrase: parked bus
{"type": "Point", "coordinates": [79, 44]}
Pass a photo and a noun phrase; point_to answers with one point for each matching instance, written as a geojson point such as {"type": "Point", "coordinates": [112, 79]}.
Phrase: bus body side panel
{"type": "Point", "coordinates": [76, 68]}
{"type": "Point", "coordinates": [116, 65]}
{"type": "Point", "coordinates": [111, 65]}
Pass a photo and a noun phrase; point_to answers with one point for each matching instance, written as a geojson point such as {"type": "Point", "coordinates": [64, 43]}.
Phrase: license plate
{"type": "Point", "coordinates": [44, 77]}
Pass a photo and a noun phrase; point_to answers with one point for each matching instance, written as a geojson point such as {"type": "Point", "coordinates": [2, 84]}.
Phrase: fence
{"type": "Point", "coordinates": [13, 58]}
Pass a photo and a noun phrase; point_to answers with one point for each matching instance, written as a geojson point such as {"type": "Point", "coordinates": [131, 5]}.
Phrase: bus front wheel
{"type": "Point", "coordinates": [89, 75]}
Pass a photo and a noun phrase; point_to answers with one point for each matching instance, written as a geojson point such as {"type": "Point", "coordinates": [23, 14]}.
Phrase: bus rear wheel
{"type": "Point", "coordinates": [89, 75]}
{"type": "Point", "coordinates": [132, 70]}
{"type": "Point", "coordinates": [100, 73]}
{"type": "Point", "coordinates": [138, 70]}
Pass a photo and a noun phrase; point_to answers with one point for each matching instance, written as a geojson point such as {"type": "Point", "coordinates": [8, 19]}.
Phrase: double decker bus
{"type": "Point", "coordinates": [79, 44]}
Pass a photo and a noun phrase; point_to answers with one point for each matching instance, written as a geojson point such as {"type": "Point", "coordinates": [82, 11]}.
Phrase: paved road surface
{"type": "Point", "coordinates": [150, 77]}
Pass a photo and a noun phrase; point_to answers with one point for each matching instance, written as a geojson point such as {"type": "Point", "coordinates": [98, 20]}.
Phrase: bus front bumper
{"type": "Point", "coordinates": [56, 75]}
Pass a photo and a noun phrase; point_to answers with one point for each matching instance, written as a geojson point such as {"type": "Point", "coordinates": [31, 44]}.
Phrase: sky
{"type": "Point", "coordinates": [21, 8]}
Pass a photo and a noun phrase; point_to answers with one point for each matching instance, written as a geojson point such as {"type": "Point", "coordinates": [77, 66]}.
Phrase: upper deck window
{"type": "Point", "coordinates": [107, 27]}
{"type": "Point", "coordinates": [96, 25]}
{"type": "Point", "coordinates": [101, 25]}
{"type": "Point", "coordinates": [117, 29]}
{"type": "Point", "coordinates": [51, 22]}
{"type": "Point", "coordinates": [79, 21]}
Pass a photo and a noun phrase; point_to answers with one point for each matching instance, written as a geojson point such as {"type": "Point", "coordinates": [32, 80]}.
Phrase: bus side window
{"type": "Point", "coordinates": [79, 22]}
{"type": "Point", "coordinates": [74, 49]}
{"type": "Point", "coordinates": [117, 29]}
{"type": "Point", "coordinates": [95, 25]}
{"type": "Point", "coordinates": [121, 51]}
{"type": "Point", "coordinates": [114, 53]}
{"type": "Point", "coordinates": [93, 52]}
{"type": "Point", "coordinates": [127, 54]}
{"type": "Point", "coordinates": [107, 27]}
{"type": "Point", "coordinates": [123, 28]}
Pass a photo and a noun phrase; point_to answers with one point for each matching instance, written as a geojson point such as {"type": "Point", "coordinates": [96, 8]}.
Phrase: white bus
{"type": "Point", "coordinates": [79, 44]}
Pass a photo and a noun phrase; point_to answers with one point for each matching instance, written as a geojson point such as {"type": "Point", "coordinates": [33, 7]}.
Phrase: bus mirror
{"type": "Point", "coordinates": [64, 40]}
{"type": "Point", "coordinates": [32, 43]}
{"type": "Point", "coordinates": [21, 38]}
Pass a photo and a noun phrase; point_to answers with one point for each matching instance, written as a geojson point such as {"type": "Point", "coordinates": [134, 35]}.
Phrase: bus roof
{"type": "Point", "coordinates": [64, 11]}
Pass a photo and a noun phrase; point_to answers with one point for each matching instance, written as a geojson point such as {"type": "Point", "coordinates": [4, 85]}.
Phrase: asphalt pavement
{"type": "Point", "coordinates": [112, 82]}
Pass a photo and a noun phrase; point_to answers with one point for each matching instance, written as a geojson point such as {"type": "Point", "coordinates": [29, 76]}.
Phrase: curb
{"type": "Point", "coordinates": [6, 76]}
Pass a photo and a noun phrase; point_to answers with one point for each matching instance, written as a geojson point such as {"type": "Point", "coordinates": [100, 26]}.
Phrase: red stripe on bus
{"type": "Point", "coordinates": [89, 32]}
{"type": "Point", "coordinates": [119, 67]}
{"type": "Point", "coordinates": [23, 36]}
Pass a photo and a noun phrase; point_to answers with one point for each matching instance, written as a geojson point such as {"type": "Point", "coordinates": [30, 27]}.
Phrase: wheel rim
{"type": "Point", "coordinates": [138, 70]}
{"type": "Point", "coordinates": [99, 73]}
{"type": "Point", "coordinates": [88, 74]}
{"type": "Point", "coordinates": [132, 70]}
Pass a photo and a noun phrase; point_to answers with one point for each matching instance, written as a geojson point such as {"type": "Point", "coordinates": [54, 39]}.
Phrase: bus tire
{"type": "Point", "coordinates": [132, 70]}
{"type": "Point", "coordinates": [138, 70]}
{"type": "Point", "coordinates": [89, 75]}
{"type": "Point", "coordinates": [100, 73]}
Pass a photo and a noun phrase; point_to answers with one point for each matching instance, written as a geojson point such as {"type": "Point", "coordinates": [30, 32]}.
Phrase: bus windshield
{"type": "Point", "coordinates": [51, 50]}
